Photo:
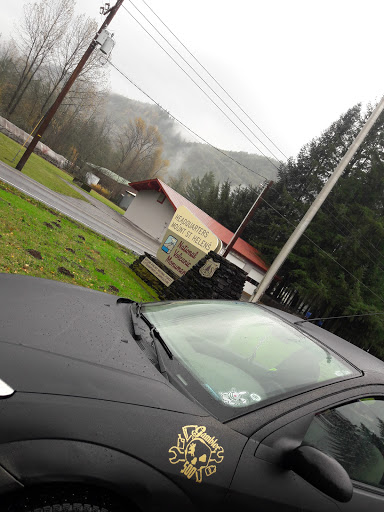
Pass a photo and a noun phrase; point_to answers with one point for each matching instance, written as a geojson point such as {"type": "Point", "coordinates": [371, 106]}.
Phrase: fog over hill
{"type": "Point", "coordinates": [183, 154]}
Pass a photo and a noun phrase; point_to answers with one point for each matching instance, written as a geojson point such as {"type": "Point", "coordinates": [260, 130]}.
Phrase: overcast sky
{"type": "Point", "coordinates": [293, 65]}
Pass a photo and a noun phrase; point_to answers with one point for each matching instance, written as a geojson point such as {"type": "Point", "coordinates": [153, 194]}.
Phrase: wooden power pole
{"type": "Point", "coordinates": [51, 112]}
{"type": "Point", "coordinates": [246, 219]}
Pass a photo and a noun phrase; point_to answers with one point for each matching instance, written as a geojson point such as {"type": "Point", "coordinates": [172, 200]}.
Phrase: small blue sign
{"type": "Point", "coordinates": [169, 244]}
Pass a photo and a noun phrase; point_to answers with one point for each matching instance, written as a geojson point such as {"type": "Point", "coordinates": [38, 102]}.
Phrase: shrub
{"type": "Point", "coordinates": [102, 191]}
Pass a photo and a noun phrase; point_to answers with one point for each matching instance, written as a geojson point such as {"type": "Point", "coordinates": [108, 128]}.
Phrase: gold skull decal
{"type": "Point", "coordinates": [197, 451]}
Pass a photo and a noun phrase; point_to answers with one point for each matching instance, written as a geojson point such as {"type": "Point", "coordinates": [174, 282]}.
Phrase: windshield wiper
{"type": "Point", "coordinates": [155, 334]}
{"type": "Point", "coordinates": [153, 331]}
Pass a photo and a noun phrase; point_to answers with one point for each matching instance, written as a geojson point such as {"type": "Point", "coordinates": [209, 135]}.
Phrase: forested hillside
{"type": "Point", "coordinates": [194, 158]}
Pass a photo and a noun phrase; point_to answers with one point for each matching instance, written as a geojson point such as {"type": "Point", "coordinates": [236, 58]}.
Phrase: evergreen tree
{"type": "Point", "coordinates": [204, 193]}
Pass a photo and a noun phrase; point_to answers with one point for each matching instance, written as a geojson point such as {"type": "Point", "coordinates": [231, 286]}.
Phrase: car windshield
{"type": "Point", "coordinates": [242, 354]}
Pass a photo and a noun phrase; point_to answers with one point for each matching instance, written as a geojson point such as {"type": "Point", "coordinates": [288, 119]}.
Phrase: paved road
{"type": "Point", "coordinates": [94, 214]}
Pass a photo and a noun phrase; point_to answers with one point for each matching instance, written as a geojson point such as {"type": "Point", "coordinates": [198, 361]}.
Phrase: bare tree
{"type": "Point", "coordinates": [42, 27]}
{"type": "Point", "coordinates": [139, 151]}
{"type": "Point", "coordinates": [65, 57]}
{"type": "Point", "coordinates": [85, 102]}
{"type": "Point", "coordinates": [8, 57]}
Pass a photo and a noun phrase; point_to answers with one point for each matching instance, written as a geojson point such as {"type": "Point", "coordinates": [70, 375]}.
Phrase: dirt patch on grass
{"type": "Point", "coordinates": [70, 250]}
{"type": "Point", "coordinates": [35, 254]}
{"type": "Point", "coordinates": [113, 289]}
{"type": "Point", "coordinates": [101, 270]}
{"type": "Point", "coordinates": [56, 224]}
{"type": "Point", "coordinates": [83, 269]}
{"type": "Point", "coordinates": [90, 257]}
{"type": "Point", "coordinates": [81, 237]}
{"type": "Point", "coordinates": [65, 272]}
{"type": "Point", "coordinates": [48, 225]}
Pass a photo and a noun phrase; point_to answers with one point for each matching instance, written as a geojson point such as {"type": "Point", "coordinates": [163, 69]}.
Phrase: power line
{"type": "Point", "coordinates": [185, 126]}
{"type": "Point", "coordinates": [334, 317]}
{"type": "Point", "coordinates": [205, 82]}
{"type": "Point", "coordinates": [214, 79]}
{"type": "Point", "coordinates": [201, 89]}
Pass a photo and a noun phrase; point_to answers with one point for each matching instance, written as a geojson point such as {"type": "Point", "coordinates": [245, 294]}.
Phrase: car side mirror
{"type": "Point", "coordinates": [321, 471]}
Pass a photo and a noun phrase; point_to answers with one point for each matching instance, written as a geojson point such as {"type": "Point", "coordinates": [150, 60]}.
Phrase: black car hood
{"type": "Point", "coordinates": [58, 338]}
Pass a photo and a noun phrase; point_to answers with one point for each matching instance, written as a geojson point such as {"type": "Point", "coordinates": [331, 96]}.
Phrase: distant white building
{"type": "Point", "coordinates": [153, 208]}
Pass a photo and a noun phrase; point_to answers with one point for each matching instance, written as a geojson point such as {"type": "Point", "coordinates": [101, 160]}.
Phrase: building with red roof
{"type": "Point", "coordinates": [153, 208]}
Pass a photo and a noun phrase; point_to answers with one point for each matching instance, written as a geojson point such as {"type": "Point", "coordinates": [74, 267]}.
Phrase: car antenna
{"type": "Point", "coordinates": [333, 317]}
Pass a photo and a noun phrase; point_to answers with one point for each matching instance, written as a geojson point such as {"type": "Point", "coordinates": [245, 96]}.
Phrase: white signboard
{"type": "Point", "coordinates": [156, 271]}
{"type": "Point", "coordinates": [186, 241]}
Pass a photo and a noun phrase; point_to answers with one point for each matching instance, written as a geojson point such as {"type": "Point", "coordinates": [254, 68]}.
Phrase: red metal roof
{"type": "Point", "coordinates": [241, 247]}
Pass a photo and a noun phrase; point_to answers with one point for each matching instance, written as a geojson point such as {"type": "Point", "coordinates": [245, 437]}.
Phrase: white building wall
{"type": "Point", "coordinates": [150, 215]}
{"type": "Point", "coordinates": [239, 262]}
{"type": "Point", "coordinates": [248, 289]}
{"type": "Point", "coordinates": [252, 271]}
{"type": "Point", "coordinates": [257, 275]}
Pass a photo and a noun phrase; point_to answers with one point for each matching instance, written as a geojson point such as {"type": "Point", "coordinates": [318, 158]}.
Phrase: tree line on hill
{"type": "Point", "coordinates": [194, 158]}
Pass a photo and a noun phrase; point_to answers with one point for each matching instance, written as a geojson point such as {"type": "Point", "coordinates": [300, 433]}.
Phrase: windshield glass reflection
{"type": "Point", "coordinates": [240, 353]}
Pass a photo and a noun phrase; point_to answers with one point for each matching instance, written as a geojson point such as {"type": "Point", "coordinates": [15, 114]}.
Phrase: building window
{"type": "Point", "coordinates": [161, 198]}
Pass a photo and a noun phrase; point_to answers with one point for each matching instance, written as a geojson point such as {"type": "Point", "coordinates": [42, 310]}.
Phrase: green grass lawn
{"type": "Point", "coordinates": [107, 202]}
{"type": "Point", "coordinates": [45, 173]}
{"type": "Point", "coordinates": [38, 241]}
{"type": "Point", "coordinates": [37, 168]}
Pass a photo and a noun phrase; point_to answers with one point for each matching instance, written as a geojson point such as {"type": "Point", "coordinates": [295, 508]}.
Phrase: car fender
{"type": "Point", "coordinates": [38, 462]}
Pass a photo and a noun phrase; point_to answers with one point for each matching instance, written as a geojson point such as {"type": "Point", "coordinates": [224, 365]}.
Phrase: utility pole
{"type": "Point", "coordinates": [246, 219]}
{"type": "Point", "coordinates": [312, 210]}
{"type": "Point", "coordinates": [51, 112]}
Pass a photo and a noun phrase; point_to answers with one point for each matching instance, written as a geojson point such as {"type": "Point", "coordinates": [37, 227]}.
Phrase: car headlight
{"type": "Point", "coordinates": [5, 390]}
